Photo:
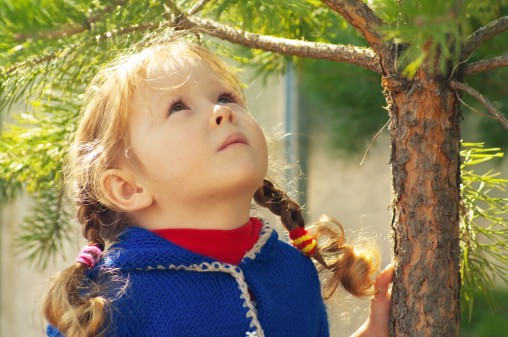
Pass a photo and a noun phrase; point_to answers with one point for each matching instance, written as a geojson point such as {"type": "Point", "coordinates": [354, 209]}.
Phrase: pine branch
{"type": "Point", "coordinates": [34, 61]}
{"type": "Point", "coordinates": [106, 10]}
{"type": "Point", "coordinates": [362, 18]}
{"type": "Point", "coordinates": [51, 56]}
{"type": "Point", "coordinates": [483, 34]}
{"type": "Point", "coordinates": [486, 65]}
{"type": "Point", "coordinates": [29, 77]}
{"type": "Point", "coordinates": [485, 102]}
{"type": "Point", "coordinates": [73, 28]}
{"type": "Point", "coordinates": [45, 230]}
{"type": "Point", "coordinates": [198, 7]}
{"type": "Point", "coordinates": [483, 225]}
{"type": "Point", "coordinates": [363, 57]}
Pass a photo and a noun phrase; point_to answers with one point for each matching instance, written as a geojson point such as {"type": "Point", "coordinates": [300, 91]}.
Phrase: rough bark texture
{"type": "Point", "coordinates": [426, 178]}
{"type": "Point", "coordinates": [424, 128]}
{"type": "Point", "coordinates": [362, 18]}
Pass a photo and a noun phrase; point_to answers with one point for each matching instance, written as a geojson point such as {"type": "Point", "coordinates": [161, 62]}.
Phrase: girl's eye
{"type": "Point", "coordinates": [177, 105]}
{"type": "Point", "coordinates": [226, 98]}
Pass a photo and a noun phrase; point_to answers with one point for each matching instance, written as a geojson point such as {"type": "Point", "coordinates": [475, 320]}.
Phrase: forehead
{"type": "Point", "coordinates": [155, 66]}
{"type": "Point", "coordinates": [166, 74]}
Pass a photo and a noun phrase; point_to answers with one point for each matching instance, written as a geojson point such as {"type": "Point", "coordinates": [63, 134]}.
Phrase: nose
{"type": "Point", "coordinates": [222, 114]}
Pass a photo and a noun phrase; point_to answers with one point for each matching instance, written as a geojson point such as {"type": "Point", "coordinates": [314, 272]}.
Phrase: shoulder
{"type": "Point", "coordinates": [274, 254]}
{"type": "Point", "coordinates": [270, 244]}
{"type": "Point", "coordinates": [295, 262]}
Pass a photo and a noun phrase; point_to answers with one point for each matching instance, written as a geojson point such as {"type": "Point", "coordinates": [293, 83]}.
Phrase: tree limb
{"type": "Point", "coordinates": [363, 57]}
{"type": "Point", "coordinates": [69, 30]}
{"type": "Point", "coordinates": [198, 7]}
{"type": "Point", "coordinates": [362, 18]}
{"type": "Point", "coordinates": [486, 65]}
{"type": "Point", "coordinates": [486, 103]}
{"type": "Point", "coordinates": [483, 34]}
{"type": "Point", "coordinates": [35, 61]}
{"type": "Point", "coordinates": [72, 29]}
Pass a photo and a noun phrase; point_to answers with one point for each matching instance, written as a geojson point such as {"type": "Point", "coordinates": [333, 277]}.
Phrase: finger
{"type": "Point", "coordinates": [382, 283]}
{"type": "Point", "coordinates": [379, 313]}
{"type": "Point", "coordinates": [385, 277]}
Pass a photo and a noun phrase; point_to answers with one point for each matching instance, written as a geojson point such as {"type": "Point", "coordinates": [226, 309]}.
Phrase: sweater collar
{"type": "Point", "coordinates": [138, 248]}
{"type": "Point", "coordinates": [228, 246]}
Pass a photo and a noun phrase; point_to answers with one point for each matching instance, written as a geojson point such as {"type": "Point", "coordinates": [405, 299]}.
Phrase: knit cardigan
{"type": "Point", "coordinates": [273, 292]}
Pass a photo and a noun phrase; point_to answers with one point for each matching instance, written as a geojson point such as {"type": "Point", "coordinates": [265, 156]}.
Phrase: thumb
{"type": "Point", "coordinates": [382, 284]}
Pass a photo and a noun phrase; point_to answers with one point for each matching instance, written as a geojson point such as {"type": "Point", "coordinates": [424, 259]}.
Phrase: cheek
{"type": "Point", "coordinates": [265, 160]}
{"type": "Point", "coordinates": [180, 152]}
{"type": "Point", "coordinates": [262, 148]}
{"type": "Point", "coordinates": [161, 154]}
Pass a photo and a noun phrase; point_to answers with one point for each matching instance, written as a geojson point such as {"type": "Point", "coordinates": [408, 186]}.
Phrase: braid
{"type": "Point", "coordinates": [99, 223]}
{"type": "Point", "coordinates": [89, 217]}
{"type": "Point", "coordinates": [279, 203]}
{"type": "Point", "coordinates": [66, 306]}
{"type": "Point", "coordinates": [349, 267]}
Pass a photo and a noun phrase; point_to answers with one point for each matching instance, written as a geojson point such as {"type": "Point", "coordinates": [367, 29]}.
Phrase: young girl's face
{"type": "Point", "coordinates": [192, 138]}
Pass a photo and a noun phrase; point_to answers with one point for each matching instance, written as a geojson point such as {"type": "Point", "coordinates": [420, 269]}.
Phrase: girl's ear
{"type": "Point", "coordinates": [123, 191]}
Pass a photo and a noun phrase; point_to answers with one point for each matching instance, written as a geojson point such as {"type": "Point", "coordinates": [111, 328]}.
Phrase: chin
{"type": "Point", "coordinates": [244, 182]}
{"type": "Point", "coordinates": [250, 182]}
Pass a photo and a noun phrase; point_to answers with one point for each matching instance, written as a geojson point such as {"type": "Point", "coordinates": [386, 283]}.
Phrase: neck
{"type": "Point", "coordinates": [209, 214]}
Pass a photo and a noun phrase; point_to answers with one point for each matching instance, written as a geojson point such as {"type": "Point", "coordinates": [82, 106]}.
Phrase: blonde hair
{"type": "Point", "coordinates": [75, 305]}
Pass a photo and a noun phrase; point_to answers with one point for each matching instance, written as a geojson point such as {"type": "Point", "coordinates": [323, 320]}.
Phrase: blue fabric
{"type": "Point", "coordinates": [160, 300]}
{"type": "Point", "coordinates": [53, 332]}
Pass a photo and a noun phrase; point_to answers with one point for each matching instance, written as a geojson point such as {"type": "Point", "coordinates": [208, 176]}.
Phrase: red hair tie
{"type": "Point", "coordinates": [301, 239]}
{"type": "Point", "coordinates": [89, 255]}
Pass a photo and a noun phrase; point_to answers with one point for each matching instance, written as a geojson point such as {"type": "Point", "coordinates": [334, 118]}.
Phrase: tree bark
{"type": "Point", "coordinates": [362, 18]}
{"type": "Point", "coordinates": [425, 162]}
{"type": "Point", "coordinates": [364, 57]}
{"type": "Point", "coordinates": [486, 65]}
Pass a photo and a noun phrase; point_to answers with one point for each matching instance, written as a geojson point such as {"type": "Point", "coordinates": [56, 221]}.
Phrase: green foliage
{"type": "Point", "coordinates": [32, 153]}
{"type": "Point", "coordinates": [59, 52]}
{"type": "Point", "coordinates": [308, 20]}
{"type": "Point", "coordinates": [348, 100]}
{"type": "Point", "coordinates": [296, 19]}
{"type": "Point", "coordinates": [33, 148]}
{"type": "Point", "coordinates": [483, 127]}
{"type": "Point", "coordinates": [484, 226]}
{"type": "Point", "coordinates": [485, 323]}
{"type": "Point", "coordinates": [44, 232]}
{"type": "Point", "coordinates": [432, 32]}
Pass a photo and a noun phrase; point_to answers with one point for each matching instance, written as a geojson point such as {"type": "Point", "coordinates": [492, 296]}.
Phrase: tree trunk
{"type": "Point", "coordinates": [425, 161]}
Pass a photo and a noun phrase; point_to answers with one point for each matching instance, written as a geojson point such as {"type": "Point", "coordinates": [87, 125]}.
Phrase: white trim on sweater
{"type": "Point", "coordinates": [234, 271]}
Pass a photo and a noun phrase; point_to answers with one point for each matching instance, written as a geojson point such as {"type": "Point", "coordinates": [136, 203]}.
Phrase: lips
{"type": "Point", "coordinates": [235, 138]}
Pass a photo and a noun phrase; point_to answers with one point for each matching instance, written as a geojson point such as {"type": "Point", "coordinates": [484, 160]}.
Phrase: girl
{"type": "Point", "coordinates": [165, 164]}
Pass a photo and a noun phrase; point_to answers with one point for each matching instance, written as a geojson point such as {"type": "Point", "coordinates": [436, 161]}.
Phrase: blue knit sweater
{"type": "Point", "coordinates": [273, 292]}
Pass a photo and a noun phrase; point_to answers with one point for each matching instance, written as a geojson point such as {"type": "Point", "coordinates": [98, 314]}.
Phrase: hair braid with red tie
{"type": "Point", "coordinates": [354, 269]}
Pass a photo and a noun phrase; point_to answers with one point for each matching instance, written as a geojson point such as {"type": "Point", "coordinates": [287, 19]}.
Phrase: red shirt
{"type": "Point", "coordinates": [227, 246]}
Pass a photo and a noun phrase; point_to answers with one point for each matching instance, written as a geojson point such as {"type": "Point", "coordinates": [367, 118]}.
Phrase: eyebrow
{"type": "Point", "coordinates": [160, 93]}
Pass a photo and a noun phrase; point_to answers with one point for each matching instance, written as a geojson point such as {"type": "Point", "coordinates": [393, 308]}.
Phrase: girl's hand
{"type": "Point", "coordinates": [376, 324]}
